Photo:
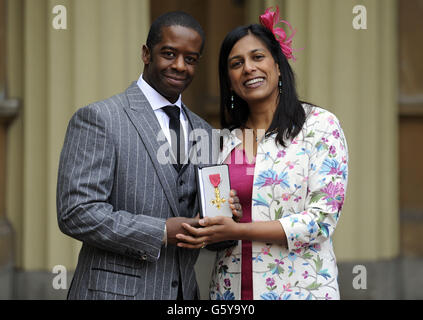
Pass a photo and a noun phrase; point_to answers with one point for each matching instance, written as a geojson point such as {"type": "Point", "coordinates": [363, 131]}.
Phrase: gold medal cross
{"type": "Point", "coordinates": [218, 201]}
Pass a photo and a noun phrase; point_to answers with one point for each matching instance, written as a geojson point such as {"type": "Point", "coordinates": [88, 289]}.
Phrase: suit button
{"type": "Point", "coordinates": [144, 257]}
{"type": "Point", "coordinates": [181, 183]}
{"type": "Point", "coordinates": [175, 283]}
{"type": "Point", "coordinates": [181, 200]}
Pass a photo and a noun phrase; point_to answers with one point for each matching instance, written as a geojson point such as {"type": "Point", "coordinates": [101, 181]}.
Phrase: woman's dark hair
{"type": "Point", "coordinates": [289, 116]}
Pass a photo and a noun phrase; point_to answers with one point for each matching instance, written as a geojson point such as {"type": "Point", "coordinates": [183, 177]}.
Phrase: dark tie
{"type": "Point", "coordinates": [178, 146]}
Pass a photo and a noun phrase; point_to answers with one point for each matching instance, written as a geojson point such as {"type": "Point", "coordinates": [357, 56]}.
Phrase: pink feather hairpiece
{"type": "Point", "coordinates": [269, 20]}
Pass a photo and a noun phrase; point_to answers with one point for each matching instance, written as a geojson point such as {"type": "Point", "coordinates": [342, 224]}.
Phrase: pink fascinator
{"type": "Point", "coordinates": [269, 20]}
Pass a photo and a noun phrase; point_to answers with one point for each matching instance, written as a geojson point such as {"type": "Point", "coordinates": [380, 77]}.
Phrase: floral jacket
{"type": "Point", "coordinates": [303, 186]}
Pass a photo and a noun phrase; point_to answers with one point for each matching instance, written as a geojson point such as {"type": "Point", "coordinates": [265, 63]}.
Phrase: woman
{"type": "Point", "coordinates": [291, 179]}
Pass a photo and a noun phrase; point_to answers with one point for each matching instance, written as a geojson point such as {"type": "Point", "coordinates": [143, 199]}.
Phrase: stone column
{"type": "Point", "coordinates": [8, 111]}
{"type": "Point", "coordinates": [55, 72]}
{"type": "Point", "coordinates": [354, 74]}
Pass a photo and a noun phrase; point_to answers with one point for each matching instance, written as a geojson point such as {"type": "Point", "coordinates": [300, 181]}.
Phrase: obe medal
{"type": "Point", "coordinates": [215, 181]}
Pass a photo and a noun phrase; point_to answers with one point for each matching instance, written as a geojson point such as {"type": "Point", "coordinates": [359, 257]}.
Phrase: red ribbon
{"type": "Point", "coordinates": [215, 179]}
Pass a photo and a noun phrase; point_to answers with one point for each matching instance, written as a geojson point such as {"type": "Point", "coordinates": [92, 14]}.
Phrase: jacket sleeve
{"type": "Point", "coordinates": [85, 182]}
{"type": "Point", "coordinates": [327, 183]}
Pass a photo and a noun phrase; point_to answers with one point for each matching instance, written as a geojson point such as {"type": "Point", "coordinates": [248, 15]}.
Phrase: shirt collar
{"type": "Point", "coordinates": [156, 100]}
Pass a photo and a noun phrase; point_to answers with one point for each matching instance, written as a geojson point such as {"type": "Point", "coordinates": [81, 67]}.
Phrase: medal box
{"type": "Point", "coordinates": [213, 187]}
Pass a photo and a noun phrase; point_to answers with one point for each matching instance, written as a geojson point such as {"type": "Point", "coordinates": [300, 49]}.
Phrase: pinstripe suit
{"type": "Point", "coordinates": [115, 196]}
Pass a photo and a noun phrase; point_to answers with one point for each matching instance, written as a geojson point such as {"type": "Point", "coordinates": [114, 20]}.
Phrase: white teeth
{"type": "Point", "coordinates": [252, 81]}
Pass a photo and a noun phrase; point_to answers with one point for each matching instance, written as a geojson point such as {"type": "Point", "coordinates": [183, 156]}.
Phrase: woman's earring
{"type": "Point", "coordinates": [280, 85]}
{"type": "Point", "coordinates": [232, 102]}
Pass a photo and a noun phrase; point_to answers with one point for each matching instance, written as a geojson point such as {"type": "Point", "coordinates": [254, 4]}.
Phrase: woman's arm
{"type": "Point", "coordinates": [216, 229]}
{"type": "Point", "coordinates": [327, 183]}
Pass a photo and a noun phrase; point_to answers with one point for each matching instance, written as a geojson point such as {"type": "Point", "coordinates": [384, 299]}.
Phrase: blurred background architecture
{"type": "Point", "coordinates": [372, 79]}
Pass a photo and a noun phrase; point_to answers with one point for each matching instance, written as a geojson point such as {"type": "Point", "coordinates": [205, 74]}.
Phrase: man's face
{"type": "Point", "coordinates": [170, 64]}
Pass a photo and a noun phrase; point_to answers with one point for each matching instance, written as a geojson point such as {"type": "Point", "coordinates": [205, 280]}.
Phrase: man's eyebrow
{"type": "Point", "coordinates": [167, 48]}
{"type": "Point", "coordinates": [239, 56]}
{"type": "Point", "coordinates": [174, 49]}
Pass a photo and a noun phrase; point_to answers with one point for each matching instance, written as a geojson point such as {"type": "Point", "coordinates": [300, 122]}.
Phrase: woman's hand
{"type": "Point", "coordinates": [215, 229]}
{"type": "Point", "coordinates": [235, 206]}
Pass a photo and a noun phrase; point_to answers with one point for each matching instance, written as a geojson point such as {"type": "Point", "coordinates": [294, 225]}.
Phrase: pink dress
{"type": "Point", "coordinates": [241, 174]}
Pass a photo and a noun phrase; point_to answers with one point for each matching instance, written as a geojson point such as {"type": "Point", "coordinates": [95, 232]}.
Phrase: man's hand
{"type": "Point", "coordinates": [174, 227]}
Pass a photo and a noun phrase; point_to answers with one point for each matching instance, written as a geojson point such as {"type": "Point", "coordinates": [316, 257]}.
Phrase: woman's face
{"type": "Point", "coordinates": [253, 73]}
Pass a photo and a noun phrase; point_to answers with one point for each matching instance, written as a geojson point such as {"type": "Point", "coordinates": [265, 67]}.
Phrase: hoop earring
{"type": "Point", "coordinates": [232, 102]}
{"type": "Point", "coordinates": [280, 85]}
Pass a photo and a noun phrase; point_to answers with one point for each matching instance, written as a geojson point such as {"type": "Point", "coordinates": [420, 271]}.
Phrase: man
{"type": "Point", "coordinates": [114, 193]}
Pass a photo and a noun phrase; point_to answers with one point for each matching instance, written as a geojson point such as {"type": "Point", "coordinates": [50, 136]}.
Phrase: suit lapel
{"type": "Point", "coordinates": [208, 141]}
{"type": "Point", "coordinates": [145, 121]}
{"type": "Point", "coordinates": [192, 125]}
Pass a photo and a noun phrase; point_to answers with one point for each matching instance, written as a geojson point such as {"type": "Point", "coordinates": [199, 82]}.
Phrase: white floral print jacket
{"type": "Point", "coordinates": [303, 186]}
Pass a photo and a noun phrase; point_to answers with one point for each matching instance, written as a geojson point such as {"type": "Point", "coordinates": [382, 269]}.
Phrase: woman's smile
{"type": "Point", "coordinates": [254, 83]}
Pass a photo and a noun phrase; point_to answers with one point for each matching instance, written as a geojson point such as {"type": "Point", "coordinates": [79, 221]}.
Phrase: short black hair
{"type": "Point", "coordinates": [173, 18]}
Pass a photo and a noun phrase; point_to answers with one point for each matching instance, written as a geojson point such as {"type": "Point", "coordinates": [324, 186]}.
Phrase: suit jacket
{"type": "Point", "coordinates": [114, 195]}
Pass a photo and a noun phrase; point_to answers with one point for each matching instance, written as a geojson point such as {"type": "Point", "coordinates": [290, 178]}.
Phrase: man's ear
{"type": "Point", "coordinates": [146, 55]}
